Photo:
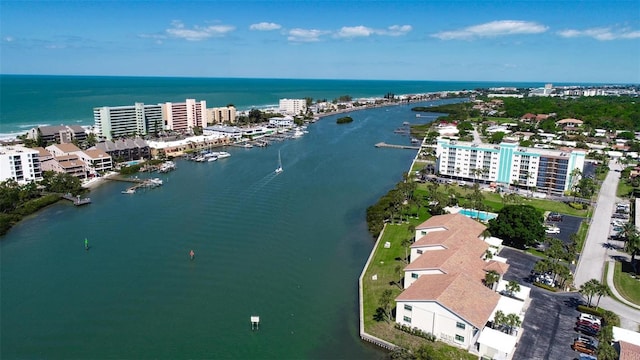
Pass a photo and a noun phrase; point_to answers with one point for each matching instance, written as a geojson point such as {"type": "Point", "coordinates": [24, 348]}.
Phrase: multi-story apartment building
{"type": "Point", "coordinates": [118, 121]}
{"type": "Point", "coordinates": [293, 106]}
{"type": "Point", "coordinates": [219, 115]}
{"type": "Point", "coordinates": [550, 171]}
{"type": "Point", "coordinates": [125, 149]}
{"type": "Point", "coordinates": [20, 164]}
{"type": "Point", "coordinates": [57, 134]}
{"type": "Point", "coordinates": [184, 116]}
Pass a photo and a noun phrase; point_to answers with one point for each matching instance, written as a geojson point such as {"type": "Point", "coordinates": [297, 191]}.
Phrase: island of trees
{"type": "Point", "coordinates": [344, 120]}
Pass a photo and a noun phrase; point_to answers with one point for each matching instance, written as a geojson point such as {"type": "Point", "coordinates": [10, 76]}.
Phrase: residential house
{"type": "Point", "coordinates": [125, 149]}
{"type": "Point", "coordinates": [57, 134]}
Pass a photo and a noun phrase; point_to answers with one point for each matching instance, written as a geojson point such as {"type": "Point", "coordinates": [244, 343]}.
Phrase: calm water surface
{"type": "Point", "coordinates": [286, 247]}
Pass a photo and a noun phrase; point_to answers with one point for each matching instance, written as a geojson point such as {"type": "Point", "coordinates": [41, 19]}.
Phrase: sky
{"type": "Point", "coordinates": [587, 41]}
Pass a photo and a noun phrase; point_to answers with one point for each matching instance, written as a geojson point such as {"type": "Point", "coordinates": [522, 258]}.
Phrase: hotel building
{"type": "Point", "coordinates": [293, 106]}
{"type": "Point", "coordinates": [184, 116]}
{"type": "Point", "coordinates": [20, 164]}
{"type": "Point", "coordinates": [120, 121]}
{"type": "Point", "coordinates": [548, 170]}
{"type": "Point", "coordinates": [221, 115]}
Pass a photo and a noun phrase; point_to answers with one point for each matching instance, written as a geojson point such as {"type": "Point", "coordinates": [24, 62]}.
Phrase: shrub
{"type": "Point", "coordinates": [589, 310]}
{"type": "Point", "coordinates": [545, 286]}
{"type": "Point", "coordinates": [34, 205]}
{"type": "Point", "coordinates": [416, 332]}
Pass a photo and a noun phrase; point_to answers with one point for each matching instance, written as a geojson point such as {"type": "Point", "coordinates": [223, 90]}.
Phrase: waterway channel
{"type": "Point", "coordinates": [287, 247]}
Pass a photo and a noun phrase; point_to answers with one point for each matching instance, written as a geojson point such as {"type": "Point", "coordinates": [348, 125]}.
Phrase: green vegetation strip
{"type": "Point", "coordinates": [627, 286]}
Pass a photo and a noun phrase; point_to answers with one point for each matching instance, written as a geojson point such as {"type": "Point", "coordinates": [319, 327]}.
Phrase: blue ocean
{"type": "Point", "coordinates": [27, 101]}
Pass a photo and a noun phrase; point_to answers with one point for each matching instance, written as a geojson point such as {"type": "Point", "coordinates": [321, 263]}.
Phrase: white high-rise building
{"type": "Point", "coordinates": [550, 171]}
{"type": "Point", "coordinates": [293, 106]}
{"type": "Point", "coordinates": [117, 121]}
{"type": "Point", "coordinates": [20, 164]}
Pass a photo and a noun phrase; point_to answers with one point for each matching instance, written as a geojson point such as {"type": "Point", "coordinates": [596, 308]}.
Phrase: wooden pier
{"type": "Point", "coordinates": [385, 145]}
{"type": "Point", "coordinates": [77, 200]}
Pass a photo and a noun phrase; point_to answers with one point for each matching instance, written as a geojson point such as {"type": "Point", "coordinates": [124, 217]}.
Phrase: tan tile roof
{"type": "Point", "coordinates": [450, 239]}
{"type": "Point", "coordinates": [42, 152]}
{"type": "Point", "coordinates": [569, 120]}
{"type": "Point", "coordinates": [67, 147]}
{"type": "Point", "coordinates": [459, 293]}
{"type": "Point", "coordinates": [465, 259]}
{"type": "Point", "coordinates": [497, 266]}
{"type": "Point", "coordinates": [96, 153]}
{"type": "Point", "coordinates": [629, 351]}
{"type": "Point", "coordinates": [452, 221]}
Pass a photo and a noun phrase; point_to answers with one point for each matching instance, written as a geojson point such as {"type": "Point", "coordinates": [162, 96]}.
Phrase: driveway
{"type": "Point", "coordinates": [548, 324]}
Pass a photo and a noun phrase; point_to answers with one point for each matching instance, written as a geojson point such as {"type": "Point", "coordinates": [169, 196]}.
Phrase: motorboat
{"type": "Point", "coordinates": [223, 154]}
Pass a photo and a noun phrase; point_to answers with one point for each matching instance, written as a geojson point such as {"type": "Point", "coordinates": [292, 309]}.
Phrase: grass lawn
{"type": "Point", "coordinates": [627, 286]}
{"type": "Point", "coordinates": [624, 189]}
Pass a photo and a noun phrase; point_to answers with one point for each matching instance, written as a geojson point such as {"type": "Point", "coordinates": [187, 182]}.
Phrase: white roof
{"type": "Point", "coordinates": [620, 334]}
{"type": "Point", "coordinates": [497, 340]}
{"type": "Point", "coordinates": [494, 241]}
{"type": "Point", "coordinates": [509, 306]}
{"type": "Point", "coordinates": [523, 294]}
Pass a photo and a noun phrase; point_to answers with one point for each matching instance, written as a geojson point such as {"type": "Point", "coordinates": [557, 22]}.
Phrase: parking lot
{"type": "Point", "coordinates": [548, 330]}
{"type": "Point", "coordinates": [569, 225]}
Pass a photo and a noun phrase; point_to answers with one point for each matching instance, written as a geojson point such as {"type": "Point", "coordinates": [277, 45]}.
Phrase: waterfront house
{"type": "Point", "coordinates": [444, 286]}
{"type": "Point", "coordinates": [125, 149]}
{"type": "Point", "coordinates": [69, 164]}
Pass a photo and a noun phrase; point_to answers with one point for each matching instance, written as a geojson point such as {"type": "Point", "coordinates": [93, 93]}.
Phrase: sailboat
{"type": "Point", "coordinates": [279, 168]}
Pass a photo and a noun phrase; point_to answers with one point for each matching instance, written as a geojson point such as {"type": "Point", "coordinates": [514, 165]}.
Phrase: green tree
{"type": "Point", "coordinates": [602, 290]}
{"type": "Point", "coordinates": [589, 289]}
{"type": "Point", "coordinates": [406, 243]}
{"type": "Point", "coordinates": [512, 287]}
{"type": "Point", "coordinates": [519, 226]}
{"type": "Point", "coordinates": [490, 278]}
{"type": "Point", "coordinates": [385, 302]}
{"type": "Point", "coordinates": [632, 246]}
{"type": "Point", "coordinates": [512, 321]}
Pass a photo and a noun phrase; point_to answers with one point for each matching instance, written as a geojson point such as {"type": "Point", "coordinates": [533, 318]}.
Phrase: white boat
{"type": "Point", "coordinates": [212, 158]}
{"type": "Point", "coordinates": [129, 191]}
{"type": "Point", "coordinates": [155, 181]}
{"type": "Point", "coordinates": [223, 154]}
{"type": "Point", "coordinates": [298, 133]}
{"type": "Point", "coordinates": [279, 168]}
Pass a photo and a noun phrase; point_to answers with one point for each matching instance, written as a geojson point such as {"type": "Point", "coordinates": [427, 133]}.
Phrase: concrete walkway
{"type": "Point", "coordinates": [597, 251]}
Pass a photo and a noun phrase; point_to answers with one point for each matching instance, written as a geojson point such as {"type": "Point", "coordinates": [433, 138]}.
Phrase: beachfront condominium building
{"type": "Point", "coordinates": [20, 164]}
{"type": "Point", "coordinates": [549, 171]}
{"type": "Point", "coordinates": [220, 115]}
{"type": "Point", "coordinates": [120, 121]}
{"type": "Point", "coordinates": [293, 106]}
{"type": "Point", "coordinates": [184, 116]}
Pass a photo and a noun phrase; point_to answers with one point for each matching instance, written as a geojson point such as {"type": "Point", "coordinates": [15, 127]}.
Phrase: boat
{"type": "Point", "coordinates": [212, 158]}
{"type": "Point", "coordinates": [155, 182]}
{"type": "Point", "coordinates": [298, 133]}
{"type": "Point", "coordinates": [279, 168]}
{"type": "Point", "coordinates": [223, 154]}
{"type": "Point", "coordinates": [129, 191]}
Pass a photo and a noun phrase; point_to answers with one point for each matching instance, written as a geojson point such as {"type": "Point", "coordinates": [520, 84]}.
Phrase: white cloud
{"type": "Point", "coordinates": [602, 34]}
{"type": "Point", "coordinates": [197, 33]}
{"type": "Point", "coordinates": [362, 31]}
{"type": "Point", "coordinates": [354, 31]}
{"type": "Point", "coordinates": [8, 39]}
{"type": "Point", "coordinates": [397, 30]}
{"type": "Point", "coordinates": [492, 29]}
{"type": "Point", "coordinates": [265, 26]}
{"type": "Point", "coordinates": [305, 35]}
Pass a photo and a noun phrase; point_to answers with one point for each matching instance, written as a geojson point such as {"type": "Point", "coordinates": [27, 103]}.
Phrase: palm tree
{"type": "Point", "coordinates": [632, 246]}
{"type": "Point", "coordinates": [405, 244]}
{"type": "Point", "coordinates": [498, 319]}
{"type": "Point", "coordinates": [602, 290]}
{"type": "Point", "coordinates": [512, 287]}
{"type": "Point", "coordinates": [490, 278]}
{"type": "Point", "coordinates": [589, 289]}
{"type": "Point", "coordinates": [512, 321]}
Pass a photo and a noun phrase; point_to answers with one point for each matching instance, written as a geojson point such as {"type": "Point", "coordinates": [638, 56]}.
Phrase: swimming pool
{"type": "Point", "coordinates": [482, 216]}
{"type": "Point", "coordinates": [133, 162]}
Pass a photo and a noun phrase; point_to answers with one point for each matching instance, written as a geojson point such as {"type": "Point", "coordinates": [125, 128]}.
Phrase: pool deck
{"type": "Point", "coordinates": [484, 216]}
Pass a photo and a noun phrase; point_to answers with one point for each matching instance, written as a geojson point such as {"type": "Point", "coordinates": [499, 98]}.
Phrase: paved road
{"type": "Point", "coordinates": [596, 250]}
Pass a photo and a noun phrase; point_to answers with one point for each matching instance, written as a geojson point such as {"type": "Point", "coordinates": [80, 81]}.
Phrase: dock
{"type": "Point", "coordinates": [76, 200]}
{"type": "Point", "coordinates": [385, 145]}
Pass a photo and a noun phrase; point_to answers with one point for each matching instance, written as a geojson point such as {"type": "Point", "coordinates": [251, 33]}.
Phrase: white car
{"type": "Point", "coordinates": [552, 230]}
{"type": "Point", "coordinates": [590, 318]}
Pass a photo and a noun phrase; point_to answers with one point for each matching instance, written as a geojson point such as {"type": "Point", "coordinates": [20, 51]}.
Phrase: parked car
{"type": "Point", "coordinates": [588, 323]}
{"type": "Point", "coordinates": [584, 347]}
{"type": "Point", "coordinates": [587, 357]}
{"type": "Point", "coordinates": [554, 217]}
{"type": "Point", "coordinates": [552, 230]}
{"type": "Point", "coordinates": [587, 340]}
{"type": "Point", "coordinates": [590, 318]}
{"type": "Point", "coordinates": [587, 330]}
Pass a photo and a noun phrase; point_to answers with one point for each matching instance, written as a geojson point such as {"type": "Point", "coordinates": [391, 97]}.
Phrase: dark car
{"type": "Point", "coordinates": [554, 217]}
{"type": "Point", "coordinates": [587, 330]}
